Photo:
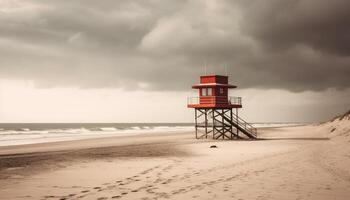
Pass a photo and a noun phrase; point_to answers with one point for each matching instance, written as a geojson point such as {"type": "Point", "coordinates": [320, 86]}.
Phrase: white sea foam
{"type": "Point", "coordinates": [108, 129]}
{"type": "Point", "coordinates": [27, 136]}
{"type": "Point", "coordinates": [136, 128]}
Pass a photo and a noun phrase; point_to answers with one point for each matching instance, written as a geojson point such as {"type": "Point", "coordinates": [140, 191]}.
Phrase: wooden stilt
{"type": "Point", "coordinates": [231, 126]}
{"type": "Point", "coordinates": [237, 122]}
{"type": "Point", "coordinates": [196, 125]}
{"type": "Point", "coordinates": [206, 122]}
{"type": "Point", "coordinates": [222, 122]}
{"type": "Point", "coordinates": [213, 116]}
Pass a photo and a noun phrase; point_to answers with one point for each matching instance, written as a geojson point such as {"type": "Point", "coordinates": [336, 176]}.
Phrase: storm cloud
{"type": "Point", "coordinates": [295, 45]}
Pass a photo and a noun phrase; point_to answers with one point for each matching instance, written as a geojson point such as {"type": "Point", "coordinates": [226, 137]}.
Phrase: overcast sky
{"type": "Point", "coordinates": [135, 60]}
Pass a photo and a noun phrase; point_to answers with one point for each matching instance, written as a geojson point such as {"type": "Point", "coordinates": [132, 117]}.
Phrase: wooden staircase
{"type": "Point", "coordinates": [226, 124]}
{"type": "Point", "coordinates": [243, 126]}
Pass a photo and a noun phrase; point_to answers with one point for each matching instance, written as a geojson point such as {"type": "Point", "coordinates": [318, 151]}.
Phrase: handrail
{"type": "Point", "coordinates": [243, 124]}
{"type": "Point", "coordinates": [214, 99]}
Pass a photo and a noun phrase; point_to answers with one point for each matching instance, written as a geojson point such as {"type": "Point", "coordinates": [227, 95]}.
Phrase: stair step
{"type": "Point", "coordinates": [246, 131]}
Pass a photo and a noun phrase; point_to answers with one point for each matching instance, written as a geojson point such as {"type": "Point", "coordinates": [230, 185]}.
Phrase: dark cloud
{"type": "Point", "coordinates": [157, 45]}
{"type": "Point", "coordinates": [322, 25]}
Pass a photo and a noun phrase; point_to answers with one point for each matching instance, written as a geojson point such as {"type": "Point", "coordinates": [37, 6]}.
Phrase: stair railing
{"type": "Point", "coordinates": [245, 125]}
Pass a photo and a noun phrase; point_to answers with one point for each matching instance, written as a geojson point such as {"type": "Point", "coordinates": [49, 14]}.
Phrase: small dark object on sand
{"type": "Point", "coordinates": [213, 146]}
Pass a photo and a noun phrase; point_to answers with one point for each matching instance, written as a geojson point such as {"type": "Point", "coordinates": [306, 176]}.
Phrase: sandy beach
{"type": "Point", "coordinates": [302, 162]}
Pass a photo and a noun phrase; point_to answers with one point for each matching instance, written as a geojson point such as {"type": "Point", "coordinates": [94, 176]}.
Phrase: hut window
{"type": "Point", "coordinates": [210, 92]}
{"type": "Point", "coordinates": [221, 90]}
{"type": "Point", "coordinates": [204, 92]}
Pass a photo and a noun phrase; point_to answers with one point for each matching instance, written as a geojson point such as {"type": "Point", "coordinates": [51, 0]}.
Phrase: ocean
{"type": "Point", "coordinates": [30, 133]}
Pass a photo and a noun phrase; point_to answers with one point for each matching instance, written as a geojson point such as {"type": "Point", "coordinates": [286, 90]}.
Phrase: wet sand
{"type": "Point", "coordinates": [305, 162]}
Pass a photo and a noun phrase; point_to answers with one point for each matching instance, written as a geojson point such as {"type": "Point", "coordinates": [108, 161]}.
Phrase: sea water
{"type": "Point", "coordinates": [30, 133]}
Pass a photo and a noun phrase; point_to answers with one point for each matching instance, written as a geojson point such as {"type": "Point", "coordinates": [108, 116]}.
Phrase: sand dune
{"type": "Point", "coordinates": [304, 162]}
{"type": "Point", "coordinates": [339, 126]}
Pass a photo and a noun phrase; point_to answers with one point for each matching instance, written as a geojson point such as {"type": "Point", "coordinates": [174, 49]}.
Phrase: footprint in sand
{"type": "Point", "coordinates": [84, 191]}
{"type": "Point", "coordinates": [102, 198]}
{"type": "Point", "coordinates": [157, 180]}
{"type": "Point", "coordinates": [150, 191]}
{"type": "Point", "coordinates": [110, 187]}
{"type": "Point", "coordinates": [116, 197]}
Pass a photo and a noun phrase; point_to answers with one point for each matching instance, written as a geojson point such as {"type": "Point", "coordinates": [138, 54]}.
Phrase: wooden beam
{"type": "Point", "coordinates": [195, 119]}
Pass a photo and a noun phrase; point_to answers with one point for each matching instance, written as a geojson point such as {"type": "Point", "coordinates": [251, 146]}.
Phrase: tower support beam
{"type": "Point", "coordinates": [215, 123]}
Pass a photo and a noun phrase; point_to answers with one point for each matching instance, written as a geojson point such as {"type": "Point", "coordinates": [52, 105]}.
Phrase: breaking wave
{"type": "Point", "coordinates": [17, 136]}
{"type": "Point", "coordinates": [40, 133]}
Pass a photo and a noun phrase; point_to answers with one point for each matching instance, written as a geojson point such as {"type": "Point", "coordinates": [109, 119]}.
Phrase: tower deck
{"type": "Point", "coordinates": [214, 102]}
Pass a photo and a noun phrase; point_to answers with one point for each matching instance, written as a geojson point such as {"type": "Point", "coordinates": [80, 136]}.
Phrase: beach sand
{"type": "Point", "coordinates": [303, 162]}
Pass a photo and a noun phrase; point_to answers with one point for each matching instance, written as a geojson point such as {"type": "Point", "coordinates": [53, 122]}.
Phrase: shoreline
{"type": "Point", "coordinates": [82, 143]}
{"type": "Point", "coordinates": [99, 141]}
{"type": "Point", "coordinates": [302, 162]}
{"type": "Point", "coordinates": [47, 133]}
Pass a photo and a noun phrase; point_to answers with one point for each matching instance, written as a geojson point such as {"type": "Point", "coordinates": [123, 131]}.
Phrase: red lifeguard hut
{"type": "Point", "coordinates": [214, 110]}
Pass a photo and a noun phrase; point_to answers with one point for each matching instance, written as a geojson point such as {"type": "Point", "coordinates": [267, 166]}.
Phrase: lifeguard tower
{"type": "Point", "coordinates": [214, 114]}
